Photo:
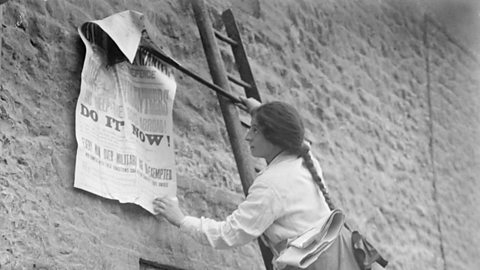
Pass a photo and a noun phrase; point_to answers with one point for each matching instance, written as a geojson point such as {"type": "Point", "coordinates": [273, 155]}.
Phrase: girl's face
{"type": "Point", "coordinates": [259, 145]}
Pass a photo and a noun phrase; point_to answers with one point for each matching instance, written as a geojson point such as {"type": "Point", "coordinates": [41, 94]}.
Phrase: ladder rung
{"type": "Point", "coordinates": [238, 81]}
{"type": "Point", "coordinates": [224, 38]}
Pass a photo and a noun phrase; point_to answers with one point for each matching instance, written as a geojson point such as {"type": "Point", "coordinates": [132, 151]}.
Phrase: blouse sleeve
{"type": "Point", "coordinates": [252, 217]}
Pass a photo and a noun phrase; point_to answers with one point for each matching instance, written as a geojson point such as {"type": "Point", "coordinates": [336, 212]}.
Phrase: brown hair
{"type": "Point", "coordinates": [281, 124]}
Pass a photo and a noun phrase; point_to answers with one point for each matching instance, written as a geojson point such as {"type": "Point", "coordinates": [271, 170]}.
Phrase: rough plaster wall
{"type": "Point", "coordinates": [399, 148]}
{"type": "Point", "coordinates": [454, 97]}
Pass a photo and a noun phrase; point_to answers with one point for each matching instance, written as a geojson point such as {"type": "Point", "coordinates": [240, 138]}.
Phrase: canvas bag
{"type": "Point", "coordinates": [337, 256]}
{"type": "Point", "coordinates": [305, 249]}
{"type": "Point", "coordinates": [350, 251]}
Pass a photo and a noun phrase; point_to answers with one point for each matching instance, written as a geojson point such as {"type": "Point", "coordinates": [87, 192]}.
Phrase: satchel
{"type": "Point", "coordinates": [305, 249]}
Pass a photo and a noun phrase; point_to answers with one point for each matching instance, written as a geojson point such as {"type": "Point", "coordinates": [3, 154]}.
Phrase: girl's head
{"type": "Point", "coordinates": [276, 127]}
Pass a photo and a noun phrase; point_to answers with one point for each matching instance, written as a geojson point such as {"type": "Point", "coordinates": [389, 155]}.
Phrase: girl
{"type": "Point", "coordinates": [285, 199]}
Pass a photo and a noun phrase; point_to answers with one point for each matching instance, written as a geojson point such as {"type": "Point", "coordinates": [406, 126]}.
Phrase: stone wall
{"type": "Point", "coordinates": [390, 102]}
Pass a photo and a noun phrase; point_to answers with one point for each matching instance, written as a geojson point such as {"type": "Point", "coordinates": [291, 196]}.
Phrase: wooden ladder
{"type": "Point", "coordinates": [221, 78]}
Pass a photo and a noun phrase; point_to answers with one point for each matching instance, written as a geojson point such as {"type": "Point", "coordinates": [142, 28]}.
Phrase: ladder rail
{"type": "Point", "coordinates": [240, 55]}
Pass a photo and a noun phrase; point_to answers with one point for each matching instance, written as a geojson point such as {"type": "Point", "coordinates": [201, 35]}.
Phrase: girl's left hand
{"type": "Point", "coordinates": [249, 103]}
{"type": "Point", "coordinates": [168, 208]}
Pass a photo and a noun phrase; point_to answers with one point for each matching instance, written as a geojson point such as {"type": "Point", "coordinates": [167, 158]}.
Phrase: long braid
{"type": "Point", "coordinates": [308, 162]}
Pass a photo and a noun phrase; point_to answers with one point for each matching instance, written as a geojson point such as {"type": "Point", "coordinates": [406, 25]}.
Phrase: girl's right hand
{"type": "Point", "coordinates": [168, 208]}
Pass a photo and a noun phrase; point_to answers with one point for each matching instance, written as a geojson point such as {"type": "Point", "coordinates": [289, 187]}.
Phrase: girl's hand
{"type": "Point", "coordinates": [168, 208]}
{"type": "Point", "coordinates": [250, 103]}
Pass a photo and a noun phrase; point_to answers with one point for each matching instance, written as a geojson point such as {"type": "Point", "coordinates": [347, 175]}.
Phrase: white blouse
{"type": "Point", "coordinates": [282, 202]}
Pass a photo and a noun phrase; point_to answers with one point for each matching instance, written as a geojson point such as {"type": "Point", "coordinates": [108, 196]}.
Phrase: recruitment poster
{"type": "Point", "coordinates": [124, 118]}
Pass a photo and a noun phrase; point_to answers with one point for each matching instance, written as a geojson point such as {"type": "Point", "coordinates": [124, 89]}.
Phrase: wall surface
{"type": "Point", "coordinates": [391, 102]}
